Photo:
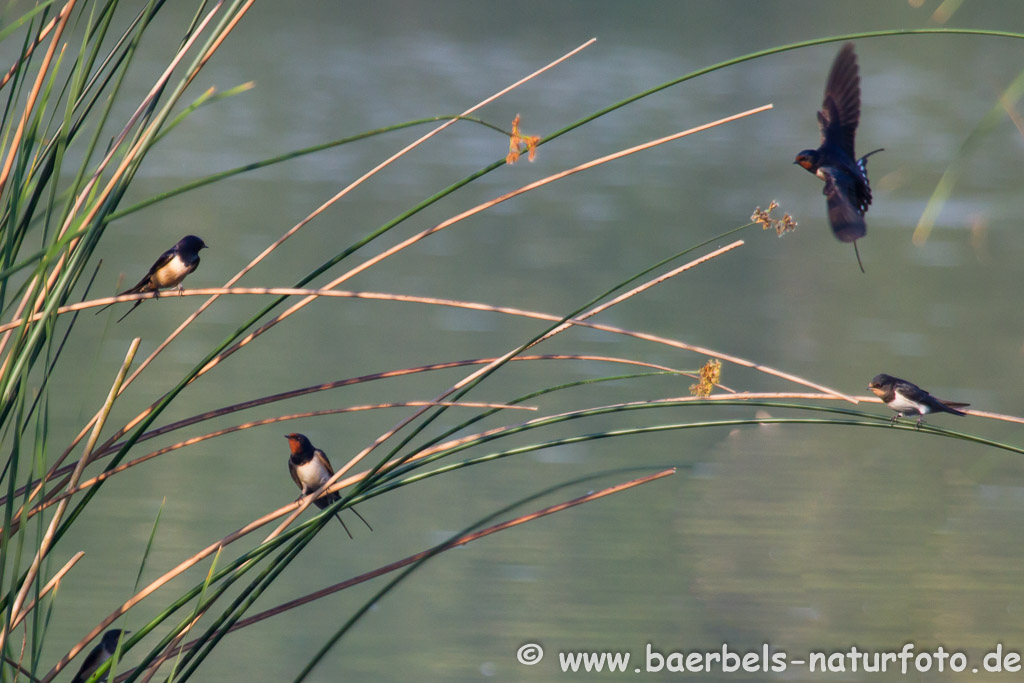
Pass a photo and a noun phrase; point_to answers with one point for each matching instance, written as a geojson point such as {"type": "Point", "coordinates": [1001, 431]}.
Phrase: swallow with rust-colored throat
{"type": "Point", "coordinates": [847, 191]}
{"type": "Point", "coordinates": [310, 469]}
{"type": "Point", "coordinates": [168, 271]}
{"type": "Point", "coordinates": [906, 398]}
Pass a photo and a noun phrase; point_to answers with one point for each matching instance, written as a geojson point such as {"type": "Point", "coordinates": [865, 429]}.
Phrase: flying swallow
{"type": "Point", "coordinates": [168, 271]}
{"type": "Point", "coordinates": [98, 655]}
{"type": "Point", "coordinates": [907, 398]}
{"type": "Point", "coordinates": [310, 469]}
{"type": "Point", "coordinates": [847, 190]}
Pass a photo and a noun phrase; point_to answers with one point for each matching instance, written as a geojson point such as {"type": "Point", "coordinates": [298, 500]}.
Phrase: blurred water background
{"type": "Point", "coordinates": [801, 537]}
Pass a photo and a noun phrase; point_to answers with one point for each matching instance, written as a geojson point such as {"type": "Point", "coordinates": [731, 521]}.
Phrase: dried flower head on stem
{"type": "Point", "coordinates": [780, 225]}
{"type": "Point", "coordinates": [517, 139]}
{"type": "Point", "coordinates": [710, 375]}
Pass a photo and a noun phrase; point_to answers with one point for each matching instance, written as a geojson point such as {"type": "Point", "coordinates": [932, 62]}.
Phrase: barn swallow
{"type": "Point", "coordinates": [310, 469]}
{"type": "Point", "coordinates": [847, 190]}
{"type": "Point", "coordinates": [909, 399]}
{"type": "Point", "coordinates": [168, 271]}
{"type": "Point", "coordinates": [98, 655]}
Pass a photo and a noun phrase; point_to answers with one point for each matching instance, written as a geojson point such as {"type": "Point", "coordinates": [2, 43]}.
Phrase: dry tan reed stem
{"type": "Point", "coordinates": [15, 144]}
{"type": "Point", "coordinates": [387, 569]}
{"type": "Point", "coordinates": [55, 581]}
{"type": "Point", "coordinates": [479, 307]}
{"type": "Point", "coordinates": [98, 200]}
{"type": "Point", "coordinates": [738, 396]}
{"type": "Point", "coordinates": [252, 403]}
{"type": "Point", "coordinates": [466, 214]}
{"type": "Point", "coordinates": [249, 425]}
{"type": "Point", "coordinates": [44, 547]}
{"type": "Point", "coordinates": [220, 38]}
{"type": "Point", "coordinates": [30, 102]}
{"type": "Point", "coordinates": [293, 230]}
{"type": "Point", "coordinates": [278, 291]}
{"type": "Point", "coordinates": [641, 288]}
{"type": "Point", "coordinates": [43, 32]}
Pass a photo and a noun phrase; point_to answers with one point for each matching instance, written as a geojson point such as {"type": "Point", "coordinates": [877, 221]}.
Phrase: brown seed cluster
{"type": "Point", "coordinates": [780, 225]}
{"type": "Point", "coordinates": [710, 375]}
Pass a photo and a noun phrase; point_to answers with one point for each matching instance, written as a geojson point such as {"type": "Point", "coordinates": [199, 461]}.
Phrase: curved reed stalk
{"type": "Point", "coordinates": [463, 539]}
{"type": "Point", "coordinates": [252, 403]}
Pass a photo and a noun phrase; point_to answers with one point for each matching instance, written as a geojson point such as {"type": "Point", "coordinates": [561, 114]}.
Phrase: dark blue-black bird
{"type": "Point", "coordinates": [847, 190]}
{"type": "Point", "coordinates": [310, 469]}
{"type": "Point", "coordinates": [168, 271]}
{"type": "Point", "coordinates": [906, 398]}
{"type": "Point", "coordinates": [98, 655]}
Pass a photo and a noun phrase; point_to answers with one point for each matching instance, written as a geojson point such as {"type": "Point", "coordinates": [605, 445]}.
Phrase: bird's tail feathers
{"type": "Point", "coordinates": [863, 161]}
{"type": "Point", "coordinates": [103, 308]}
{"type": "Point", "coordinates": [953, 407]}
{"type": "Point", "coordinates": [130, 309]}
{"type": "Point", "coordinates": [343, 525]}
{"type": "Point", "coordinates": [361, 517]}
{"type": "Point", "coordinates": [857, 252]}
{"type": "Point", "coordinates": [144, 286]}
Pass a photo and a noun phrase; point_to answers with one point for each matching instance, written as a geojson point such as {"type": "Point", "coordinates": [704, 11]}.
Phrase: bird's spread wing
{"type": "Point", "coordinates": [846, 218]}
{"type": "Point", "coordinates": [840, 110]}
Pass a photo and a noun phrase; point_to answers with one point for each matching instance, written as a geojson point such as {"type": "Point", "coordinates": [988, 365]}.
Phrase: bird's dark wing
{"type": "Point", "coordinates": [952, 406]}
{"type": "Point", "coordinates": [840, 110]}
{"type": "Point", "coordinates": [295, 475]}
{"type": "Point", "coordinates": [91, 663]}
{"type": "Point", "coordinates": [321, 457]}
{"type": "Point", "coordinates": [914, 392]}
{"type": "Point", "coordinates": [326, 500]}
{"type": "Point", "coordinates": [146, 283]}
{"type": "Point", "coordinates": [846, 219]}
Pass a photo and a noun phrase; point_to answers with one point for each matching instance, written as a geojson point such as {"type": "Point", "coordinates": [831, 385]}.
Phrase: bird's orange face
{"type": "Point", "coordinates": [805, 161]}
{"type": "Point", "coordinates": [877, 390]}
{"type": "Point", "coordinates": [295, 443]}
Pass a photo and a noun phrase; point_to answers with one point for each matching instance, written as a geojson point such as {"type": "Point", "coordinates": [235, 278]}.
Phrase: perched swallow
{"type": "Point", "coordinates": [847, 190]}
{"type": "Point", "coordinates": [310, 469]}
{"type": "Point", "coordinates": [99, 654]}
{"type": "Point", "coordinates": [909, 399]}
{"type": "Point", "coordinates": [168, 271]}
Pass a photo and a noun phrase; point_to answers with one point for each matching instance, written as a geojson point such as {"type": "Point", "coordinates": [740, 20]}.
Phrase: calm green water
{"type": "Point", "coordinates": [806, 538]}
